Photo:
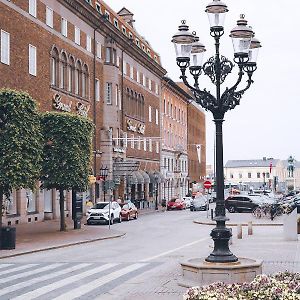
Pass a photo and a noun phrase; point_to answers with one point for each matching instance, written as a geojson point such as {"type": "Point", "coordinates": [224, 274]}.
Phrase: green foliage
{"type": "Point", "coordinates": [67, 151]}
{"type": "Point", "coordinates": [20, 141]}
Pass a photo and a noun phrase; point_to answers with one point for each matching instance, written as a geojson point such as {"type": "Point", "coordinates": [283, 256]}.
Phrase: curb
{"type": "Point", "coordinates": [236, 224]}
{"type": "Point", "coordinates": [63, 246]}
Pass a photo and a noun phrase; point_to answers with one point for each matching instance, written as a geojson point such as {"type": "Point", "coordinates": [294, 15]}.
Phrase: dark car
{"type": "Point", "coordinates": [240, 203]}
{"type": "Point", "coordinates": [199, 203]}
{"type": "Point", "coordinates": [128, 211]}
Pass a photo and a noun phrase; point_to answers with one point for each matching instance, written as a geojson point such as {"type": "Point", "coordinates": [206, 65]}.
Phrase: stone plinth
{"type": "Point", "coordinates": [198, 272]}
{"type": "Point", "coordinates": [290, 229]}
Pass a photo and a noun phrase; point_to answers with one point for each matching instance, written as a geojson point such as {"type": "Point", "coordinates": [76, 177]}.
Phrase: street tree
{"type": "Point", "coordinates": [67, 154]}
{"type": "Point", "coordinates": [20, 143]}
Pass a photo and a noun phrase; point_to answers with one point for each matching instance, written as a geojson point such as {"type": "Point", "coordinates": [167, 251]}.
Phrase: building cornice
{"type": "Point", "coordinates": [101, 24]}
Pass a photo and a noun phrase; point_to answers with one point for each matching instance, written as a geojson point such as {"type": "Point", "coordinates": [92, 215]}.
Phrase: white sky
{"type": "Point", "coordinates": [267, 121]}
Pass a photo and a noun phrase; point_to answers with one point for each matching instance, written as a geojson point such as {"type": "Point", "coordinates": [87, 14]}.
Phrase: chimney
{"type": "Point", "coordinates": [127, 16]}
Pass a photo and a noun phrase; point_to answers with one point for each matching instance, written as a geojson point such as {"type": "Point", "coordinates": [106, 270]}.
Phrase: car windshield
{"type": "Point", "coordinates": [124, 206]}
{"type": "Point", "coordinates": [101, 205]}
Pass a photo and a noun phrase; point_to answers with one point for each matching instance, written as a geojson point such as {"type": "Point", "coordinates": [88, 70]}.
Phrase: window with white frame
{"type": "Point", "coordinates": [156, 116]}
{"type": "Point", "coordinates": [108, 90]}
{"type": "Point", "coordinates": [116, 23]}
{"type": "Point", "coordinates": [117, 95]}
{"type": "Point", "coordinates": [32, 8]}
{"type": "Point", "coordinates": [137, 42]}
{"type": "Point", "coordinates": [150, 145]}
{"type": "Point", "coordinates": [132, 141]}
{"type": "Point", "coordinates": [125, 139]}
{"type": "Point", "coordinates": [98, 8]}
{"type": "Point", "coordinates": [97, 89]}
{"type": "Point", "coordinates": [108, 54]}
{"type": "Point", "coordinates": [88, 43]}
{"type": "Point", "coordinates": [139, 143]}
{"type": "Point", "coordinates": [150, 84]}
{"type": "Point", "coordinates": [77, 35]}
{"type": "Point", "coordinates": [124, 67]}
{"type": "Point", "coordinates": [150, 114]}
{"type": "Point", "coordinates": [98, 49]}
{"type": "Point", "coordinates": [138, 76]}
{"type": "Point", "coordinates": [156, 88]}
{"type": "Point", "coordinates": [107, 15]}
{"type": "Point", "coordinates": [131, 72]}
{"type": "Point", "coordinates": [144, 80]}
{"type": "Point", "coordinates": [32, 60]}
{"type": "Point", "coordinates": [130, 35]}
{"type": "Point", "coordinates": [5, 47]}
{"type": "Point", "coordinates": [157, 146]}
{"type": "Point", "coordinates": [145, 144]}
{"type": "Point", "coordinates": [49, 16]}
{"type": "Point", "coordinates": [124, 30]}
{"type": "Point", "coordinates": [120, 99]}
{"type": "Point", "coordinates": [64, 27]}
{"type": "Point", "coordinates": [118, 61]}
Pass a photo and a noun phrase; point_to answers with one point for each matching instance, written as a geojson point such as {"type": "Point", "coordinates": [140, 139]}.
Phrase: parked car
{"type": "Point", "coordinates": [175, 204]}
{"type": "Point", "coordinates": [187, 201]}
{"type": "Point", "coordinates": [128, 211]}
{"type": "Point", "coordinates": [199, 203]}
{"type": "Point", "coordinates": [239, 203]}
{"type": "Point", "coordinates": [104, 212]}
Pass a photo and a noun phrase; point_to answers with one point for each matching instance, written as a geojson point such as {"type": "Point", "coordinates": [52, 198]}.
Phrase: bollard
{"type": "Point", "coordinates": [212, 214]}
{"type": "Point", "coordinates": [250, 228]}
{"type": "Point", "coordinates": [239, 231]}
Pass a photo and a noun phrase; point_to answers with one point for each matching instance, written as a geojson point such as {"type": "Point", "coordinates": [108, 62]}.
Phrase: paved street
{"type": "Point", "coordinates": [143, 264]}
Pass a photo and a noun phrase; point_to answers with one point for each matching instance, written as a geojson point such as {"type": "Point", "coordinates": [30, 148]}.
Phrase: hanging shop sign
{"type": "Point", "coordinates": [82, 109]}
{"type": "Point", "coordinates": [119, 150]}
{"type": "Point", "coordinates": [131, 126]}
{"type": "Point", "coordinates": [138, 127]}
{"type": "Point", "coordinates": [141, 128]}
{"type": "Point", "coordinates": [58, 105]}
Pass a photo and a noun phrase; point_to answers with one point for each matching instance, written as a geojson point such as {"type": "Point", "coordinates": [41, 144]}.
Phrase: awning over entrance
{"type": "Point", "coordinates": [124, 168]}
{"type": "Point", "coordinates": [139, 176]}
{"type": "Point", "coordinates": [156, 176]}
{"type": "Point", "coordinates": [131, 179]}
{"type": "Point", "coordinates": [145, 176]}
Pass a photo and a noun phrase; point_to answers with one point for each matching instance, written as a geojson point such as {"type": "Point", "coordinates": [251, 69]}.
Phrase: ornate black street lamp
{"type": "Point", "coordinates": [189, 52]}
{"type": "Point", "coordinates": [103, 175]}
{"type": "Point", "coordinates": [156, 178]}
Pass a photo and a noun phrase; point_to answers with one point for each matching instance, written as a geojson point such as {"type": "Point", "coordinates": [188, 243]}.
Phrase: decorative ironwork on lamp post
{"type": "Point", "coordinates": [190, 52]}
{"type": "Point", "coordinates": [103, 175]}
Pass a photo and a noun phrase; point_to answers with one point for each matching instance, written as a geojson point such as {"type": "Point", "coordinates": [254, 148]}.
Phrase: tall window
{"type": "Point", "coordinates": [150, 84]}
{"type": "Point", "coordinates": [131, 72]}
{"type": "Point", "coordinates": [138, 77]}
{"type": "Point", "coordinates": [249, 175]}
{"type": "Point", "coordinates": [124, 67]}
{"type": "Point", "coordinates": [97, 89]}
{"type": "Point", "coordinates": [32, 60]}
{"type": "Point", "coordinates": [108, 54]}
{"type": "Point", "coordinates": [63, 71]}
{"type": "Point", "coordinates": [145, 144]}
{"type": "Point", "coordinates": [132, 141]}
{"type": "Point", "coordinates": [54, 66]}
{"type": "Point", "coordinates": [157, 147]}
{"type": "Point", "coordinates": [77, 77]}
{"type": "Point", "coordinates": [88, 43]}
{"type": "Point", "coordinates": [150, 114]}
{"type": "Point", "coordinates": [150, 145]}
{"type": "Point", "coordinates": [49, 16]}
{"type": "Point", "coordinates": [85, 82]}
{"type": "Point", "coordinates": [156, 116]}
{"type": "Point", "coordinates": [5, 47]}
{"type": "Point", "coordinates": [98, 49]}
{"type": "Point", "coordinates": [32, 7]}
{"type": "Point", "coordinates": [77, 35]}
{"type": "Point", "coordinates": [156, 89]}
{"type": "Point", "coordinates": [125, 139]}
{"type": "Point", "coordinates": [64, 27]}
{"type": "Point", "coordinates": [108, 94]}
{"type": "Point", "coordinates": [144, 80]}
{"type": "Point", "coordinates": [258, 175]}
{"type": "Point", "coordinates": [117, 95]}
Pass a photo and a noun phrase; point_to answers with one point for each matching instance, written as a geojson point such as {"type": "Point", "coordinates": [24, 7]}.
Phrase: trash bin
{"type": "Point", "coordinates": [8, 238]}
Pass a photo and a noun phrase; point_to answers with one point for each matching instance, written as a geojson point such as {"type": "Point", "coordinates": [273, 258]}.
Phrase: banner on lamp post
{"type": "Point", "coordinates": [198, 147]}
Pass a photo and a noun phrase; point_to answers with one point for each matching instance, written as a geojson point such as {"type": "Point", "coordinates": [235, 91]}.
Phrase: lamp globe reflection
{"type": "Point", "coordinates": [189, 56]}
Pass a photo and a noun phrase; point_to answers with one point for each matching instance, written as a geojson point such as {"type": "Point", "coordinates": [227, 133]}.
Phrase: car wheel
{"type": "Point", "coordinates": [111, 220]}
{"type": "Point", "coordinates": [120, 219]}
{"type": "Point", "coordinates": [231, 209]}
{"type": "Point", "coordinates": [88, 223]}
{"type": "Point", "coordinates": [128, 217]}
{"type": "Point", "coordinates": [136, 215]}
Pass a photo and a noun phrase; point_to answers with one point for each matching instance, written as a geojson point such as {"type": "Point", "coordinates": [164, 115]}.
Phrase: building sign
{"type": "Point", "coordinates": [82, 109]}
{"type": "Point", "coordinates": [138, 127]}
{"type": "Point", "coordinates": [57, 104]}
{"type": "Point", "coordinates": [119, 150]}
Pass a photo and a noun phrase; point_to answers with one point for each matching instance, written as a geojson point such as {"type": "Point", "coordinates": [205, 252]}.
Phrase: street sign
{"type": "Point", "coordinates": [207, 184]}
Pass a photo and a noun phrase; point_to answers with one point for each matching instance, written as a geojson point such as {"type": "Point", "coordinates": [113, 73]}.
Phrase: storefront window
{"type": "Point", "coordinates": [9, 204]}
{"type": "Point", "coordinates": [48, 201]}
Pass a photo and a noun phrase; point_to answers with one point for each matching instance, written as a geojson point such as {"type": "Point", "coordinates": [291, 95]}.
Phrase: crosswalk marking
{"type": "Point", "coordinates": [28, 273]}
{"type": "Point", "coordinates": [51, 287]}
{"type": "Point", "coordinates": [17, 269]}
{"type": "Point", "coordinates": [30, 282]}
{"type": "Point", "coordinates": [5, 266]}
{"type": "Point", "coordinates": [86, 288]}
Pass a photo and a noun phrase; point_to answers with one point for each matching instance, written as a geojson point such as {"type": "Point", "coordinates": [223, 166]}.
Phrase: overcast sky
{"type": "Point", "coordinates": [267, 121]}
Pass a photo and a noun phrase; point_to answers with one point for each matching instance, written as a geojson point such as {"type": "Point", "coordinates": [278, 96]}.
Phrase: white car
{"type": "Point", "coordinates": [104, 211]}
{"type": "Point", "coordinates": [187, 201]}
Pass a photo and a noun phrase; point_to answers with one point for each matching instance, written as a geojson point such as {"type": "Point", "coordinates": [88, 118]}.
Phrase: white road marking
{"type": "Point", "coordinates": [58, 284]}
{"type": "Point", "coordinates": [174, 250]}
{"type": "Point", "coordinates": [86, 288]}
{"type": "Point", "coordinates": [21, 285]}
{"type": "Point", "coordinates": [17, 269]}
{"type": "Point", "coordinates": [5, 265]}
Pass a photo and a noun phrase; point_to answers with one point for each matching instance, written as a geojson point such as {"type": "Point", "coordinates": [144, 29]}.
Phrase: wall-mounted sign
{"type": "Point", "coordinates": [82, 109]}
{"type": "Point", "coordinates": [138, 127]}
{"type": "Point", "coordinates": [119, 150]}
{"type": "Point", "coordinates": [57, 104]}
{"type": "Point", "coordinates": [141, 128]}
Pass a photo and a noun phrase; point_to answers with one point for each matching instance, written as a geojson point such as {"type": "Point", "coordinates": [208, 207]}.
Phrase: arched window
{"type": "Point", "coordinates": [71, 71]}
{"type": "Point", "coordinates": [77, 77]}
{"type": "Point", "coordinates": [63, 71]}
{"type": "Point", "coordinates": [54, 63]}
{"type": "Point", "coordinates": [143, 108]}
{"type": "Point", "coordinates": [85, 82]}
{"type": "Point", "coordinates": [133, 111]}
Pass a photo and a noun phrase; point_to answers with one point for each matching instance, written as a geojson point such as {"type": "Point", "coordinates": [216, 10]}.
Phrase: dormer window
{"type": "Point", "coordinates": [107, 15]}
{"type": "Point", "coordinates": [155, 58]}
{"type": "Point", "coordinates": [143, 47]}
{"type": "Point", "coordinates": [149, 52]}
{"type": "Point", "coordinates": [116, 23]}
{"type": "Point", "coordinates": [98, 8]}
{"type": "Point", "coordinates": [124, 30]}
{"type": "Point", "coordinates": [130, 35]}
{"type": "Point", "coordinates": [137, 42]}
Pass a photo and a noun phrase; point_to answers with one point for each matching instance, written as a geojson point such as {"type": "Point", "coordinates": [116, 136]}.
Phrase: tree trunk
{"type": "Point", "coordinates": [62, 210]}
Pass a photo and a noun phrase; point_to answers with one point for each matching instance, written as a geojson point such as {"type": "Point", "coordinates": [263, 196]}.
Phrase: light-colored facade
{"type": "Point", "coordinates": [268, 172]}
{"type": "Point", "coordinates": [174, 158]}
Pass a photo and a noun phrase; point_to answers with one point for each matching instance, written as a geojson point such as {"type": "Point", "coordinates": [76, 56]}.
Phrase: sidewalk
{"type": "Point", "coordinates": [41, 236]}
